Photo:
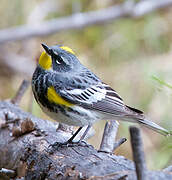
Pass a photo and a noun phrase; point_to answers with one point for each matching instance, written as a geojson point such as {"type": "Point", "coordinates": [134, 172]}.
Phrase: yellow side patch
{"type": "Point", "coordinates": [45, 61]}
{"type": "Point", "coordinates": [55, 98]}
{"type": "Point", "coordinates": [67, 49]}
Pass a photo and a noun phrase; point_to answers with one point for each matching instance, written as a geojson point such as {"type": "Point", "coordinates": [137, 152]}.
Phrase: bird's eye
{"type": "Point", "coordinates": [56, 57]}
{"type": "Point", "coordinates": [59, 59]}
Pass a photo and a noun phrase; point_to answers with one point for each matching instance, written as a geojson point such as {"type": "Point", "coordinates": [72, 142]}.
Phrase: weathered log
{"type": "Point", "coordinates": [24, 148]}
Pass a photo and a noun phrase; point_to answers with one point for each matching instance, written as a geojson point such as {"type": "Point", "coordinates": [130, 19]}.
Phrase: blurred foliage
{"type": "Point", "coordinates": [128, 54]}
{"type": "Point", "coordinates": [162, 82]}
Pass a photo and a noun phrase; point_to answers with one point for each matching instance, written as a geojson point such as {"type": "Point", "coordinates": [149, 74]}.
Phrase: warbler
{"type": "Point", "coordinates": [70, 93]}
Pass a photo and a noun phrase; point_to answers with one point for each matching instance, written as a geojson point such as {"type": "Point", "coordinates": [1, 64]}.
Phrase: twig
{"type": "Point", "coordinates": [168, 169]}
{"type": "Point", "coordinates": [30, 104]}
{"type": "Point", "coordinates": [147, 6]}
{"type": "Point", "coordinates": [109, 135]}
{"type": "Point", "coordinates": [118, 143]}
{"type": "Point", "coordinates": [7, 173]}
{"type": "Point", "coordinates": [138, 153]}
{"type": "Point", "coordinates": [81, 20]}
{"type": "Point", "coordinates": [23, 87]}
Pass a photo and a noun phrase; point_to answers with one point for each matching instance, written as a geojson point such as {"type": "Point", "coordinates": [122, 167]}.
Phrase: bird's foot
{"type": "Point", "coordinates": [58, 145]}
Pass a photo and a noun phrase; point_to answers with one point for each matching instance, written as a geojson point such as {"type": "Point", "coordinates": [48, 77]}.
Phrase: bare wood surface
{"type": "Point", "coordinates": [24, 149]}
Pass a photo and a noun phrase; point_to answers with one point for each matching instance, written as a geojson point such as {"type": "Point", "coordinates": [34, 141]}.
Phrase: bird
{"type": "Point", "coordinates": [71, 94]}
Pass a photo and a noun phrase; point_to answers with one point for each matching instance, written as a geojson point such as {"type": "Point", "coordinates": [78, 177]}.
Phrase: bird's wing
{"type": "Point", "coordinates": [103, 98]}
{"type": "Point", "coordinates": [100, 97]}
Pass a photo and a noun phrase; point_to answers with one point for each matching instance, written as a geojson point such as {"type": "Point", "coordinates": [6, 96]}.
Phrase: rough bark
{"type": "Point", "coordinates": [24, 141]}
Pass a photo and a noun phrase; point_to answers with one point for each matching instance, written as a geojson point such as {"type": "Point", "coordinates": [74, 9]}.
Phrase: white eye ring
{"type": "Point", "coordinates": [58, 62]}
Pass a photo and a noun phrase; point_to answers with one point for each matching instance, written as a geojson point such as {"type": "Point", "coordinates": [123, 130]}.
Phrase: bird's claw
{"type": "Point", "coordinates": [58, 145]}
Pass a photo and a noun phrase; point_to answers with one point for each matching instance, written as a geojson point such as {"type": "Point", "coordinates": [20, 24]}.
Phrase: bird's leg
{"type": "Point", "coordinates": [68, 142]}
{"type": "Point", "coordinates": [80, 142]}
{"type": "Point", "coordinates": [85, 133]}
{"type": "Point", "coordinates": [74, 135]}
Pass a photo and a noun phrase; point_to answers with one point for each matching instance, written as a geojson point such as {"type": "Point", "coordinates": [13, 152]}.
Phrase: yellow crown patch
{"type": "Point", "coordinates": [67, 49]}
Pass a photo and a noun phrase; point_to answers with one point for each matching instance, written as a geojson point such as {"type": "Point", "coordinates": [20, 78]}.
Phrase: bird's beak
{"type": "Point", "coordinates": [46, 48]}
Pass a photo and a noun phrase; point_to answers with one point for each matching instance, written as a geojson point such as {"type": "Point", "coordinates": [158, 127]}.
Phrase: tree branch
{"type": "Point", "coordinates": [81, 20]}
{"type": "Point", "coordinates": [27, 155]}
{"type": "Point", "coordinates": [23, 87]}
{"type": "Point", "coordinates": [138, 153]}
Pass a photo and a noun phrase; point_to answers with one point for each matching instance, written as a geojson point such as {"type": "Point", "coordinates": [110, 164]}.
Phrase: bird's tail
{"type": "Point", "coordinates": [155, 127]}
{"type": "Point", "coordinates": [137, 116]}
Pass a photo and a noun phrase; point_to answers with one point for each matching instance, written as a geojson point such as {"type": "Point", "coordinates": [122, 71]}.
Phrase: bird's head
{"type": "Point", "coordinates": [57, 58]}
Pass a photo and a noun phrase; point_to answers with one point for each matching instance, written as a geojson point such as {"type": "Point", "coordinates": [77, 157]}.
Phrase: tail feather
{"type": "Point", "coordinates": [137, 116]}
{"type": "Point", "coordinates": [155, 127]}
